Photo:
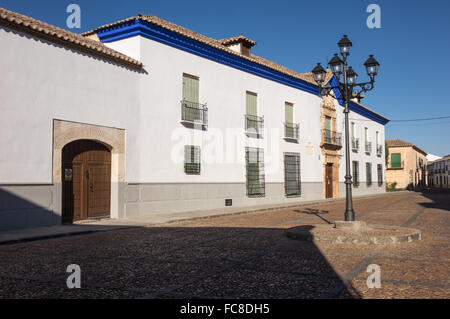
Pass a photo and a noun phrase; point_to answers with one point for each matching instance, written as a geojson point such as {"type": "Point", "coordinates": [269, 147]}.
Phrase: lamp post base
{"type": "Point", "coordinates": [350, 215]}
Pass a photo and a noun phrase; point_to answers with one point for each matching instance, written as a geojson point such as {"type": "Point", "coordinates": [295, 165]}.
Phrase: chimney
{"type": "Point", "coordinates": [239, 44]}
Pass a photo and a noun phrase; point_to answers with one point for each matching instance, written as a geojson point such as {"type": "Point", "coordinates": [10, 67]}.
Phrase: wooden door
{"type": "Point", "coordinates": [86, 184]}
{"type": "Point", "coordinates": [329, 181]}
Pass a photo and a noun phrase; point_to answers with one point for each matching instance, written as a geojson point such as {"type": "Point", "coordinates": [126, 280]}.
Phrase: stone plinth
{"type": "Point", "coordinates": [354, 233]}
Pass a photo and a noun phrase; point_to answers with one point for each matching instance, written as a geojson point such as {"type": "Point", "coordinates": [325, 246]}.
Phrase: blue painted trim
{"type": "Point", "coordinates": [173, 39]}
{"type": "Point", "coordinates": [357, 108]}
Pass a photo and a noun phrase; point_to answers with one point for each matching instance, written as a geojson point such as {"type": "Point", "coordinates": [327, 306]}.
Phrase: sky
{"type": "Point", "coordinates": [412, 45]}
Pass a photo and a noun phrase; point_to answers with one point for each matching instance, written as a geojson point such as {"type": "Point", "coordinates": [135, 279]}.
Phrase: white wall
{"type": "Point", "coordinates": [361, 123]}
{"type": "Point", "coordinates": [40, 82]}
{"type": "Point", "coordinates": [223, 89]}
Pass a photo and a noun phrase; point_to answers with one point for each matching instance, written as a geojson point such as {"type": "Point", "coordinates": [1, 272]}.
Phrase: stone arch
{"type": "Point", "coordinates": [65, 132]}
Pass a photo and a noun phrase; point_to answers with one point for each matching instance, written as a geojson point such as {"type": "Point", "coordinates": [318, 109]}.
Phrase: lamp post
{"type": "Point", "coordinates": [346, 88]}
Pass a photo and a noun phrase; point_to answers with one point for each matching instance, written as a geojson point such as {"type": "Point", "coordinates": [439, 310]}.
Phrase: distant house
{"type": "Point", "coordinates": [407, 164]}
{"type": "Point", "coordinates": [439, 172]}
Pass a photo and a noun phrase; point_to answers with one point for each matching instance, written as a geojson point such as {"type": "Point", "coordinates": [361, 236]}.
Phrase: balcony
{"type": "Point", "coordinates": [331, 138]}
{"type": "Point", "coordinates": [355, 144]}
{"type": "Point", "coordinates": [291, 131]}
{"type": "Point", "coordinates": [368, 147]}
{"type": "Point", "coordinates": [396, 165]}
{"type": "Point", "coordinates": [194, 113]}
{"type": "Point", "coordinates": [379, 150]}
{"type": "Point", "coordinates": [254, 125]}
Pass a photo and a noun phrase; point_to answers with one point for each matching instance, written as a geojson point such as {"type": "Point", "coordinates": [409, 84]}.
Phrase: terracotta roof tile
{"type": "Point", "coordinates": [237, 39]}
{"type": "Point", "coordinates": [401, 143]}
{"type": "Point", "coordinates": [63, 37]}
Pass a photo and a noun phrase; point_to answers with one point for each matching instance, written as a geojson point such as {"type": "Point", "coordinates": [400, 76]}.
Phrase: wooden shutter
{"type": "Point", "coordinates": [396, 160]}
{"type": "Point", "coordinates": [191, 89]}
{"type": "Point", "coordinates": [289, 111]}
{"type": "Point", "coordinates": [251, 105]}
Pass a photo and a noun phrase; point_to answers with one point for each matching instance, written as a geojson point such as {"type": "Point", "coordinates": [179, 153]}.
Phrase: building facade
{"type": "Point", "coordinates": [407, 164]}
{"type": "Point", "coordinates": [143, 116]}
{"type": "Point", "coordinates": [439, 173]}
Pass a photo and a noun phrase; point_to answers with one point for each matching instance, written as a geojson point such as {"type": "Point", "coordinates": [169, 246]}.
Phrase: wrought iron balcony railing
{"type": "Point", "coordinates": [254, 125]}
{"type": "Point", "coordinates": [379, 150]}
{"type": "Point", "coordinates": [355, 144]}
{"type": "Point", "coordinates": [368, 147]}
{"type": "Point", "coordinates": [291, 131]}
{"type": "Point", "coordinates": [195, 113]}
{"type": "Point", "coordinates": [332, 137]}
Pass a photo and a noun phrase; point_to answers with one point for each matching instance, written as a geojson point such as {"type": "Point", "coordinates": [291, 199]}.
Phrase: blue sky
{"type": "Point", "coordinates": [412, 45]}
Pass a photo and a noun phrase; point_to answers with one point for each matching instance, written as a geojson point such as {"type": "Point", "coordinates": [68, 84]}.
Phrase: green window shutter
{"type": "Point", "coordinates": [251, 104]}
{"type": "Point", "coordinates": [396, 160]}
{"type": "Point", "coordinates": [289, 111]}
{"type": "Point", "coordinates": [191, 89]}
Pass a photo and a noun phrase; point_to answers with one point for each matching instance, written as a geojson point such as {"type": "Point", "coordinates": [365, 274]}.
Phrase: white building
{"type": "Point", "coordinates": [439, 173]}
{"type": "Point", "coordinates": [144, 116]}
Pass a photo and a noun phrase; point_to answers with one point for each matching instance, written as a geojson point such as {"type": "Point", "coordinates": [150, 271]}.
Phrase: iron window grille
{"type": "Point", "coordinates": [369, 174]}
{"type": "Point", "coordinates": [292, 181]}
{"type": "Point", "coordinates": [193, 112]}
{"type": "Point", "coordinates": [255, 178]}
{"type": "Point", "coordinates": [380, 174]}
{"type": "Point", "coordinates": [332, 137]}
{"type": "Point", "coordinates": [291, 131]}
{"type": "Point", "coordinates": [355, 173]}
{"type": "Point", "coordinates": [368, 147]}
{"type": "Point", "coordinates": [379, 150]}
{"type": "Point", "coordinates": [355, 144]}
{"type": "Point", "coordinates": [254, 124]}
{"type": "Point", "coordinates": [192, 162]}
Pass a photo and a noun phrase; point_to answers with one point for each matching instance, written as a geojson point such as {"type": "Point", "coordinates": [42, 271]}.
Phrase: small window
{"type": "Point", "coordinates": [292, 174]}
{"type": "Point", "coordinates": [380, 174]}
{"type": "Point", "coordinates": [369, 174]}
{"type": "Point", "coordinates": [254, 159]}
{"type": "Point", "coordinates": [355, 170]}
{"type": "Point", "coordinates": [192, 160]}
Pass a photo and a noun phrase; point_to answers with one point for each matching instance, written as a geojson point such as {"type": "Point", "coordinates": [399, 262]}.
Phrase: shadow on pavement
{"type": "Point", "coordinates": [173, 262]}
{"type": "Point", "coordinates": [440, 198]}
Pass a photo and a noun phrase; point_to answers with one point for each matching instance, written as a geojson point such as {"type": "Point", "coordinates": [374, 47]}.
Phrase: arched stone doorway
{"type": "Point", "coordinates": [66, 132]}
{"type": "Point", "coordinates": [86, 183]}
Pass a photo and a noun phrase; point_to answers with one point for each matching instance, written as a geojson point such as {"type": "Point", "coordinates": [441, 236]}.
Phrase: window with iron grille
{"type": "Point", "coordinates": [380, 174]}
{"type": "Point", "coordinates": [369, 174]}
{"type": "Point", "coordinates": [255, 179]}
{"type": "Point", "coordinates": [292, 183]}
{"type": "Point", "coordinates": [355, 171]}
{"type": "Point", "coordinates": [192, 162]}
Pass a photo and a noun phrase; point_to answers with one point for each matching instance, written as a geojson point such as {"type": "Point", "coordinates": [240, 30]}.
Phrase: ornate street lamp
{"type": "Point", "coordinates": [346, 88]}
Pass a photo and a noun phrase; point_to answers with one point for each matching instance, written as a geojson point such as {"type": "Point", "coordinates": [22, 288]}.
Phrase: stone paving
{"type": "Point", "coordinates": [242, 256]}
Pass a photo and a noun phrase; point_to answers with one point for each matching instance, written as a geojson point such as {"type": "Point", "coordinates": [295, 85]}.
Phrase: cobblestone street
{"type": "Point", "coordinates": [243, 256]}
